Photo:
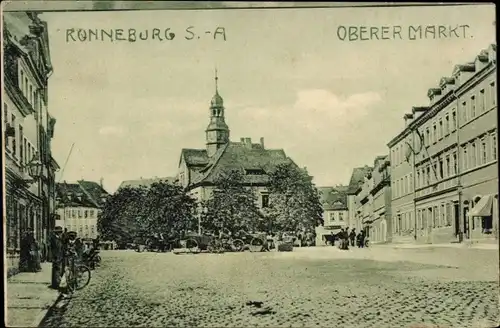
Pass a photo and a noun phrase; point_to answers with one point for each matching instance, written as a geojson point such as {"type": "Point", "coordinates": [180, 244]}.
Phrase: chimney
{"type": "Point", "coordinates": [262, 142]}
{"type": "Point", "coordinates": [408, 119]}
{"type": "Point", "coordinates": [242, 140]}
{"type": "Point", "coordinates": [248, 142]}
{"type": "Point", "coordinates": [418, 110]}
{"type": "Point", "coordinates": [101, 182]}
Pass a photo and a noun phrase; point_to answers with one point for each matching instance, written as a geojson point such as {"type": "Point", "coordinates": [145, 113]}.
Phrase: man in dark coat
{"type": "Point", "coordinates": [352, 236]}
{"type": "Point", "coordinates": [57, 251]}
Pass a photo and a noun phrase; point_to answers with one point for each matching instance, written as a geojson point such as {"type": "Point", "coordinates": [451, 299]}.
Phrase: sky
{"type": "Point", "coordinates": [332, 105]}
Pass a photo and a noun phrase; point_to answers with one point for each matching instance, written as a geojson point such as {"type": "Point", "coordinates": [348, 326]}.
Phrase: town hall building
{"type": "Point", "coordinates": [200, 168]}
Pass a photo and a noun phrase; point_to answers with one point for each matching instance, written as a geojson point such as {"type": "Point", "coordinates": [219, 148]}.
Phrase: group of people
{"type": "Point", "coordinates": [32, 253]}
{"type": "Point", "coordinates": [63, 245]}
{"type": "Point", "coordinates": [347, 238]}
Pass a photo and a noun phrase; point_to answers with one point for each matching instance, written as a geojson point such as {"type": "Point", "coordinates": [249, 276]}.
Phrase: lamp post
{"type": "Point", "coordinates": [35, 170]}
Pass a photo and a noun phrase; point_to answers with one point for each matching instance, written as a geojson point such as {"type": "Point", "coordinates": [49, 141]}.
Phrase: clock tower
{"type": "Point", "coordinates": [217, 132]}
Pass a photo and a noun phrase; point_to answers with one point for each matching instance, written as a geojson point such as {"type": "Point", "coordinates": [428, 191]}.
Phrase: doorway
{"type": "Point", "coordinates": [456, 210]}
{"type": "Point", "coordinates": [466, 223]}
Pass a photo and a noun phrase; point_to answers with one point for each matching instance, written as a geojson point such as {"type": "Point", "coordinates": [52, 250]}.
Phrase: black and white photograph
{"type": "Point", "coordinates": [250, 164]}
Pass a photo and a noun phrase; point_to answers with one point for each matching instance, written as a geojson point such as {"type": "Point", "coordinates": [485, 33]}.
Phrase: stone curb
{"type": "Point", "coordinates": [43, 313]}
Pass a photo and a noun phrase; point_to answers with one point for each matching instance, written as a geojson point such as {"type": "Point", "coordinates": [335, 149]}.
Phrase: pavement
{"type": "Point", "coordinates": [29, 297]}
{"type": "Point", "coordinates": [309, 287]}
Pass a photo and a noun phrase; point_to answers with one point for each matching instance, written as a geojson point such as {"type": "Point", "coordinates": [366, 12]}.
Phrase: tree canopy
{"type": "Point", "coordinates": [294, 201]}
{"type": "Point", "coordinates": [232, 206]}
{"type": "Point", "coordinates": [135, 212]}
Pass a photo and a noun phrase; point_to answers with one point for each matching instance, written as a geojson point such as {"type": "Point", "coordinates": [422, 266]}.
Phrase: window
{"type": "Point", "coordinates": [67, 213]}
{"type": "Point", "coordinates": [435, 216]}
{"type": "Point", "coordinates": [435, 172]}
{"type": "Point", "coordinates": [91, 214]}
{"type": "Point", "coordinates": [14, 143]}
{"type": "Point", "coordinates": [92, 230]}
{"type": "Point", "coordinates": [441, 129]}
{"type": "Point", "coordinates": [472, 154]}
{"type": "Point", "coordinates": [79, 213]}
{"type": "Point", "coordinates": [493, 145]}
{"type": "Point", "coordinates": [73, 213]}
{"type": "Point", "coordinates": [447, 124]}
{"type": "Point", "coordinates": [86, 214]}
{"type": "Point", "coordinates": [434, 133]}
{"type": "Point", "coordinates": [464, 112]}
{"type": "Point", "coordinates": [80, 231]}
{"type": "Point", "coordinates": [341, 216]}
{"type": "Point", "coordinates": [484, 152]}
{"type": "Point", "coordinates": [448, 214]}
{"type": "Point", "coordinates": [22, 145]}
{"type": "Point", "coordinates": [5, 122]}
{"type": "Point", "coordinates": [443, 216]}
{"type": "Point", "coordinates": [453, 120]}
{"type": "Point", "coordinates": [26, 87]}
{"type": "Point", "coordinates": [447, 170]}
{"type": "Point", "coordinates": [455, 163]}
{"type": "Point", "coordinates": [417, 183]}
{"type": "Point", "coordinates": [25, 150]}
{"type": "Point", "coordinates": [427, 137]}
{"type": "Point", "coordinates": [332, 216]}
{"type": "Point", "coordinates": [428, 175]}
{"type": "Point", "coordinates": [493, 94]}
{"type": "Point", "coordinates": [465, 158]}
{"type": "Point", "coordinates": [405, 186]}
{"type": "Point", "coordinates": [22, 82]}
{"type": "Point", "coordinates": [441, 169]}
{"type": "Point", "coordinates": [482, 105]}
{"type": "Point", "coordinates": [265, 200]}
{"type": "Point", "coordinates": [411, 182]}
{"type": "Point", "coordinates": [472, 107]}
{"type": "Point", "coordinates": [30, 96]}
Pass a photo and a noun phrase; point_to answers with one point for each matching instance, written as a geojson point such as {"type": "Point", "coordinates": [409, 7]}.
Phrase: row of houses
{"type": "Point", "coordinates": [28, 128]}
{"type": "Point", "coordinates": [439, 181]}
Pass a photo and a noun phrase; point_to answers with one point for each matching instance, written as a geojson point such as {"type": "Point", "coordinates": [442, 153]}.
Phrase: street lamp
{"type": "Point", "coordinates": [35, 167]}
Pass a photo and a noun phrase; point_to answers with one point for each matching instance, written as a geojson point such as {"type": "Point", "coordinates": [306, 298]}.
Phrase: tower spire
{"type": "Point", "coordinates": [216, 82]}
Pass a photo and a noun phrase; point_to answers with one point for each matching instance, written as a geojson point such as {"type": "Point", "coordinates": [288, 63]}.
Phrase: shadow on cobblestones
{"type": "Point", "coordinates": [159, 290]}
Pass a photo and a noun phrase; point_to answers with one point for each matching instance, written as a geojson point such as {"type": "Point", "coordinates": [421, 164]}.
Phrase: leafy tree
{"type": "Point", "coordinates": [170, 209]}
{"type": "Point", "coordinates": [294, 201]}
{"type": "Point", "coordinates": [232, 207]}
{"type": "Point", "coordinates": [122, 217]}
{"type": "Point", "coordinates": [140, 212]}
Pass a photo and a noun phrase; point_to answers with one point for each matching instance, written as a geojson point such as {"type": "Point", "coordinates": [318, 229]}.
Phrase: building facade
{"type": "Point", "coordinates": [356, 181]}
{"type": "Point", "coordinates": [28, 130]}
{"type": "Point", "coordinates": [335, 212]}
{"type": "Point", "coordinates": [402, 183]}
{"type": "Point", "coordinates": [78, 207]}
{"type": "Point", "coordinates": [200, 168]}
{"type": "Point", "coordinates": [444, 163]}
{"type": "Point", "coordinates": [373, 212]}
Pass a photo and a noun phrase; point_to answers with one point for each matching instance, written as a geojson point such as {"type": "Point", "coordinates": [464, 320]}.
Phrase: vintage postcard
{"type": "Point", "coordinates": [250, 164]}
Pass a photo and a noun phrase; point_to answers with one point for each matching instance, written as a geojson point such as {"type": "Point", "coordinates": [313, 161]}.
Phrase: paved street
{"type": "Point", "coordinates": [307, 288]}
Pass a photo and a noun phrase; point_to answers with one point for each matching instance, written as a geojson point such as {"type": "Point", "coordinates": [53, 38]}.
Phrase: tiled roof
{"type": "Point", "coordinates": [145, 182]}
{"type": "Point", "coordinates": [251, 159]}
{"type": "Point", "coordinates": [94, 190]}
{"type": "Point", "coordinates": [72, 194]}
{"type": "Point", "coordinates": [195, 156]}
{"type": "Point", "coordinates": [334, 198]}
{"type": "Point", "coordinates": [358, 177]}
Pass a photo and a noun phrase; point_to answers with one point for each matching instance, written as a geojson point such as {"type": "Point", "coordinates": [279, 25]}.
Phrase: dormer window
{"type": "Point", "coordinates": [255, 172]}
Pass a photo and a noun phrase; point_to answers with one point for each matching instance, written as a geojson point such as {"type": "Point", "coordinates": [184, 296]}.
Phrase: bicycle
{"type": "Point", "coordinates": [77, 275]}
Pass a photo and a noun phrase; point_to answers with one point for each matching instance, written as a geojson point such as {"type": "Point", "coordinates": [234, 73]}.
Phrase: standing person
{"type": "Point", "coordinates": [341, 237]}
{"type": "Point", "coordinates": [57, 251]}
{"type": "Point", "coordinates": [362, 239]}
{"type": "Point", "coordinates": [79, 248]}
{"type": "Point", "coordinates": [352, 236]}
{"type": "Point", "coordinates": [36, 249]}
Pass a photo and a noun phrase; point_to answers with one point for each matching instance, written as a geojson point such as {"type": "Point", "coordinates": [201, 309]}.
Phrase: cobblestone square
{"type": "Point", "coordinates": [321, 287]}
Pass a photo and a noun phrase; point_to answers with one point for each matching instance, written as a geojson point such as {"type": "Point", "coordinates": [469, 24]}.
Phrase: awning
{"type": "Point", "coordinates": [483, 207]}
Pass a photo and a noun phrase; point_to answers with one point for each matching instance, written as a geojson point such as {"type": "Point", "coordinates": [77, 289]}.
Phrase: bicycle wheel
{"type": "Point", "coordinates": [82, 278]}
